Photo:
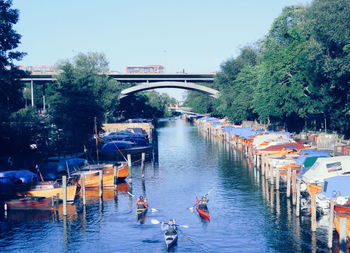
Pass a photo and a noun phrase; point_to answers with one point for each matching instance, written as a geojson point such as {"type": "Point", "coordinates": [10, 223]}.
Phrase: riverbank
{"type": "Point", "coordinates": [277, 156]}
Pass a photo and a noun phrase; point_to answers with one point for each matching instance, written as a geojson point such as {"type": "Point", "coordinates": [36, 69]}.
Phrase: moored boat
{"type": "Point", "coordinates": [202, 210]}
{"type": "Point", "coordinates": [92, 178]}
{"type": "Point", "coordinates": [50, 189]}
{"type": "Point", "coordinates": [40, 203]}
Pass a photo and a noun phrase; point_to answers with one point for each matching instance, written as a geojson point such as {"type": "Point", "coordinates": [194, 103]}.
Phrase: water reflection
{"type": "Point", "coordinates": [248, 214]}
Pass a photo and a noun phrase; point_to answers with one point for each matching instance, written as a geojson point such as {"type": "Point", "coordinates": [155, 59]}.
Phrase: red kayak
{"type": "Point", "coordinates": [202, 210]}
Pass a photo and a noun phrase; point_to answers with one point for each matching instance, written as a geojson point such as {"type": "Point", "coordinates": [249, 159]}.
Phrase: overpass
{"type": "Point", "coordinates": [145, 81]}
{"type": "Point", "coordinates": [40, 77]}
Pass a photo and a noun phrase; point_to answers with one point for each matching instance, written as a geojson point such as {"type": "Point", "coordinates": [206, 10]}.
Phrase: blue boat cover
{"type": "Point", "coordinates": [243, 132]}
{"type": "Point", "coordinates": [336, 186]}
{"type": "Point", "coordinates": [310, 153]}
{"type": "Point", "coordinates": [113, 146]}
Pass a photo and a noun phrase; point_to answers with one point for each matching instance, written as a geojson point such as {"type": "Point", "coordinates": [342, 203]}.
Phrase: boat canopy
{"type": "Point", "coordinates": [326, 167]}
{"type": "Point", "coordinates": [337, 186]}
{"type": "Point", "coordinates": [272, 138]}
{"type": "Point", "coordinates": [284, 146]}
{"type": "Point", "coordinates": [243, 132]}
{"type": "Point", "coordinates": [304, 153]}
{"type": "Point", "coordinates": [113, 146]}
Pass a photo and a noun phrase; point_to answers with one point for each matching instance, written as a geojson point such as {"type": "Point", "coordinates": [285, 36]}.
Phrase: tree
{"type": "Point", "coordinates": [236, 82]}
{"type": "Point", "coordinates": [10, 87]}
{"type": "Point", "coordinates": [285, 71]}
{"type": "Point", "coordinates": [328, 24]}
{"type": "Point", "coordinates": [82, 92]}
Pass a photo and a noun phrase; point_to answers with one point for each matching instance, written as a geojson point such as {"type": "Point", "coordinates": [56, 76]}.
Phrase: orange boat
{"type": "Point", "coordinates": [336, 222]}
{"type": "Point", "coordinates": [51, 189]}
{"type": "Point", "coordinates": [92, 177]}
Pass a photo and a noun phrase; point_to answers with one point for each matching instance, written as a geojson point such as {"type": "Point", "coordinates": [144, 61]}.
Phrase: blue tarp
{"type": "Point", "coordinates": [311, 153]}
{"type": "Point", "coordinates": [113, 146]}
{"type": "Point", "coordinates": [336, 186]}
{"type": "Point", "coordinates": [210, 119]}
{"type": "Point", "coordinates": [243, 132]}
{"type": "Point", "coordinates": [51, 169]}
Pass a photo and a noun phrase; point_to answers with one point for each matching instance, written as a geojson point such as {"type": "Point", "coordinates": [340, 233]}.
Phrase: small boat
{"type": "Point", "coordinates": [50, 189]}
{"type": "Point", "coordinates": [342, 208]}
{"type": "Point", "coordinates": [170, 237]}
{"type": "Point", "coordinates": [40, 203]}
{"type": "Point", "coordinates": [141, 212]}
{"type": "Point", "coordinates": [202, 210]}
{"type": "Point", "coordinates": [92, 177]}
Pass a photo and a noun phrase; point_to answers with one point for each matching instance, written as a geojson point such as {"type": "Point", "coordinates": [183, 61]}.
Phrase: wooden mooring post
{"type": "Point", "coordinates": [342, 234]}
{"type": "Point", "coordinates": [100, 183]}
{"type": "Point", "coordinates": [288, 182]}
{"type": "Point", "coordinates": [143, 158]}
{"type": "Point", "coordinates": [64, 189]}
{"type": "Point", "coordinates": [297, 210]}
{"type": "Point", "coordinates": [278, 179]}
{"type": "Point", "coordinates": [313, 212]}
{"type": "Point", "coordinates": [130, 168]}
{"type": "Point", "coordinates": [83, 188]}
{"type": "Point", "coordinates": [115, 173]}
{"type": "Point", "coordinates": [294, 187]}
{"type": "Point", "coordinates": [330, 223]}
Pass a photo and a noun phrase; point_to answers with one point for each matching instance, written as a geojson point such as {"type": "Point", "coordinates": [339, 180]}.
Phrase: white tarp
{"type": "Point", "coordinates": [326, 167]}
{"type": "Point", "coordinates": [274, 139]}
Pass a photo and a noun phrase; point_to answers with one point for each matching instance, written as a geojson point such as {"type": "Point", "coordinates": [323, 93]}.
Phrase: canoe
{"type": "Point", "coordinates": [51, 189]}
{"type": "Point", "coordinates": [40, 203]}
{"type": "Point", "coordinates": [204, 213]}
{"type": "Point", "coordinates": [170, 238]}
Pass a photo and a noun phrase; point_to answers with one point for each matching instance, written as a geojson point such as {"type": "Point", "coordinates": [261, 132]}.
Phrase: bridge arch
{"type": "Point", "coordinates": [167, 84]}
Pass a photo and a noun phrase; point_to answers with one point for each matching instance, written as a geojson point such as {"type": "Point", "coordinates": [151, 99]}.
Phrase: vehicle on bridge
{"type": "Point", "coordinates": [147, 69]}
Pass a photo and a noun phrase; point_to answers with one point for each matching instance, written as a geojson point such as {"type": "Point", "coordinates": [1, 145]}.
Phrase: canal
{"type": "Point", "coordinates": [246, 215]}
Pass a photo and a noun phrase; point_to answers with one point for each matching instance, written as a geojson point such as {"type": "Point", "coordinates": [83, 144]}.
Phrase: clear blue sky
{"type": "Point", "coordinates": [195, 35]}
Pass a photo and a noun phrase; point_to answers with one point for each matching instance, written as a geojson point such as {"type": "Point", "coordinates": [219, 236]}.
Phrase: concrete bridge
{"type": "Point", "coordinates": [167, 84]}
{"type": "Point", "coordinates": [145, 81]}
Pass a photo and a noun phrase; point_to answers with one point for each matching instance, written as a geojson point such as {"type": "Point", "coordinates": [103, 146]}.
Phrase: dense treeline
{"type": "Point", "coordinates": [297, 77]}
{"type": "Point", "coordinates": [65, 111]}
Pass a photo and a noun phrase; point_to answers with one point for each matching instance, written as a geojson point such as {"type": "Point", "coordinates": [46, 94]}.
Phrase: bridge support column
{"type": "Point", "coordinates": [32, 91]}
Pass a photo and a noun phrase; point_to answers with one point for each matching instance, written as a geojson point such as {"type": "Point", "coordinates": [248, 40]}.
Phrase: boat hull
{"type": "Point", "coordinates": [92, 177]}
{"type": "Point", "coordinates": [342, 208]}
{"type": "Point", "coordinates": [30, 203]}
{"type": "Point", "coordinates": [170, 239]}
{"type": "Point", "coordinates": [202, 213]}
{"type": "Point", "coordinates": [46, 191]}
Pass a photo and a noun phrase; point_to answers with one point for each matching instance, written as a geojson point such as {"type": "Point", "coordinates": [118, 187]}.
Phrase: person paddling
{"type": "Point", "coordinates": [203, 203]}
{"type": "Point", "coordinates": [141, 202]}
{"type": "Point", "coordinates": [170, 227]}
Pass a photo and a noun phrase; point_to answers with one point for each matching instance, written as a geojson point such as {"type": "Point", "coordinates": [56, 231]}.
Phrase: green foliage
{"type": "Point", "coordinates": [199, 102]}
{"type": "Point", "coordinates": [148, 104]}
{"type": "Point", "coordinates": [82, 93]}
{"type": "Point", "coordinates": [10, 87]}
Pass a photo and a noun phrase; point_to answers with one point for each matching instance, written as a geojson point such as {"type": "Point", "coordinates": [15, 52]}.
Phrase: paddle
{"type": "Point", "coordinates": [153, 210]}
{"type": "Point", "coordinates": [155, 221]}
{"type": "Point", "coordinates": [192, 207]}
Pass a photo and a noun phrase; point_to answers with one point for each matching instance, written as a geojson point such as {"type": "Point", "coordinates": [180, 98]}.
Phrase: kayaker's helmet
{"type": "Point", "coordinates": [141, 197]}
{"type": "Point", "coordinates": [172, 221]}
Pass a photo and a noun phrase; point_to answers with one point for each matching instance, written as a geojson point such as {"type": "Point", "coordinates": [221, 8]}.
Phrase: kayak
{"type": "Point", "coordinates": [170, 238]}
{"type": "Point", "coordinates": [141, 212]}
{"type": "Point", "coordinates": [204, 213]}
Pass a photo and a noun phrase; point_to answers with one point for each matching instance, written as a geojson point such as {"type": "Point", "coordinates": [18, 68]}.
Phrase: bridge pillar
{"type": "Point", "coordinates": [32, 91]}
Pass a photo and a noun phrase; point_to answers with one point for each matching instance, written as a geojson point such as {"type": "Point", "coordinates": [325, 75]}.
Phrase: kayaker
{"type": "Point", "coordinates": [170, 227]}
{"type": "Point", "coordinates": [141, 202]}
{"type": "Point", "coordinates": [203, 203]}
